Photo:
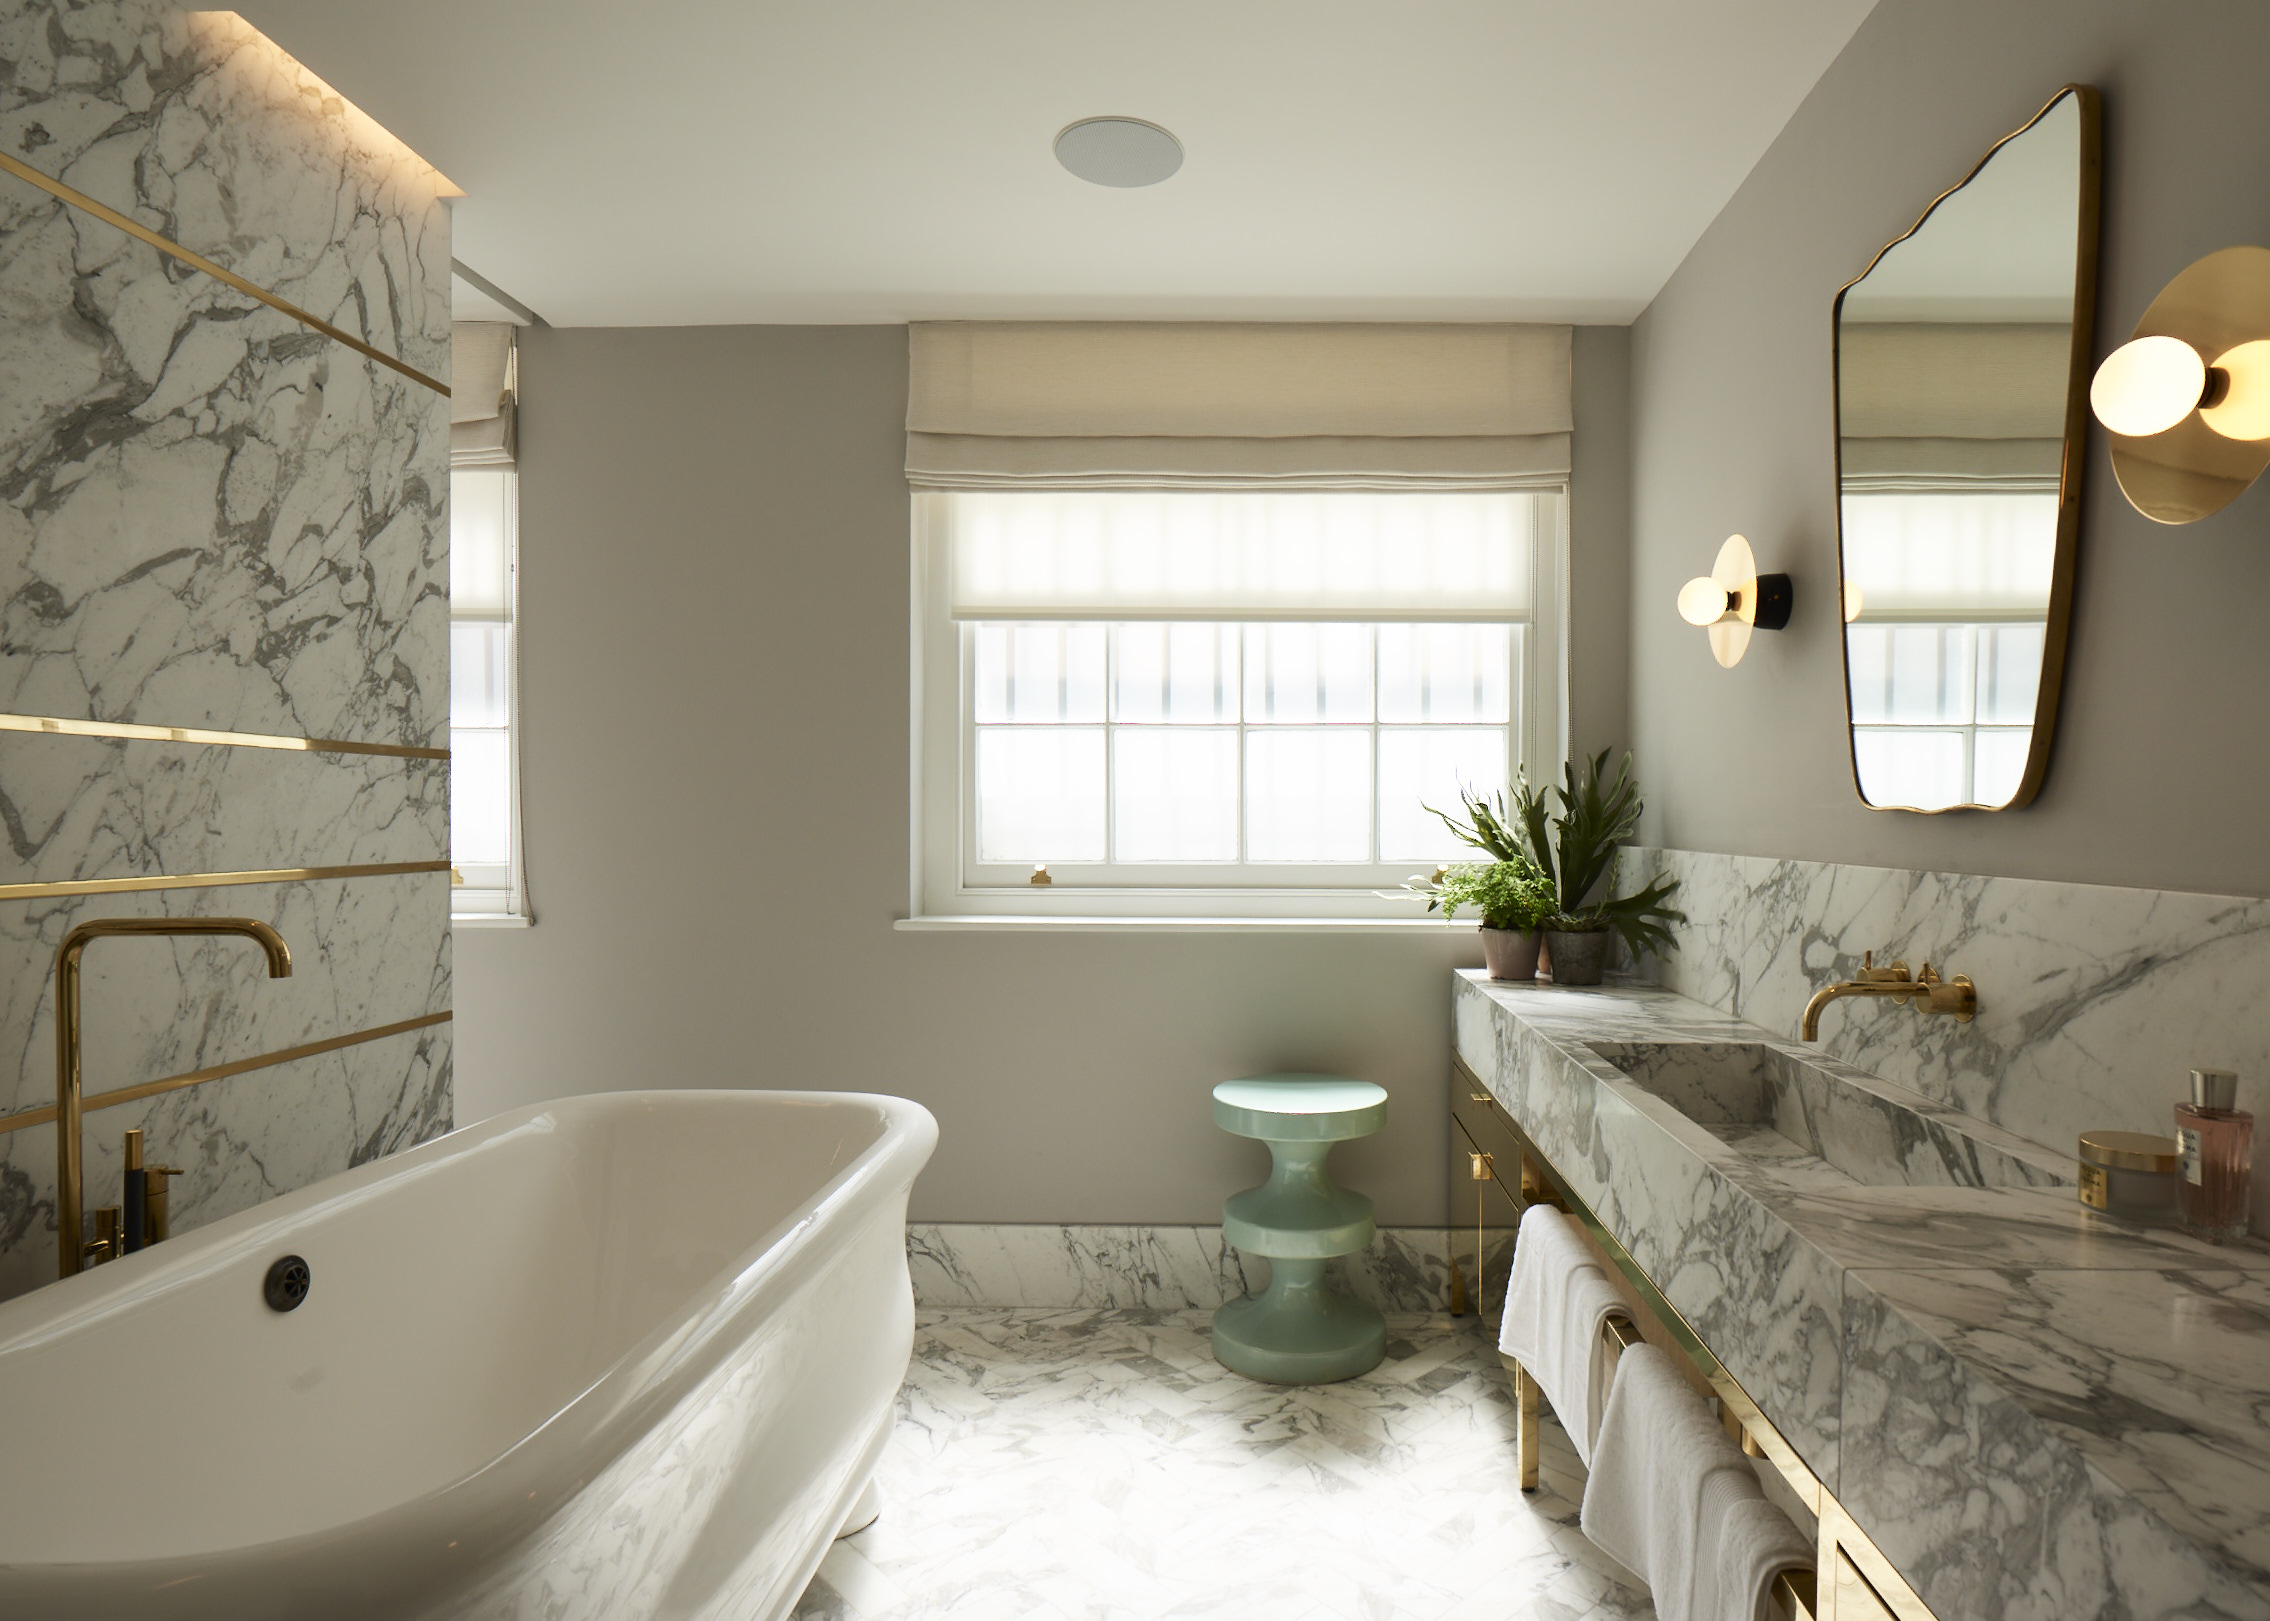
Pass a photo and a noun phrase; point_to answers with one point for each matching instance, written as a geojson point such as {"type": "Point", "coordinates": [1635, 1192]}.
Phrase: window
{"type": "Point", "coordinates": [1221, 703]}
{"type": "Point", "coordinates": [484, 821]}
{"type": "Point", "coordinates": [1945, 660]}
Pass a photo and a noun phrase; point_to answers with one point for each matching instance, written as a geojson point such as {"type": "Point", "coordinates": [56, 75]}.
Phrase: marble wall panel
{"type": "Point", "coordinates": [74, 808]}
{"type": "Point", "coordinates": [237, 1141]}
{"type": "Point", "coordinates": [245, 530]}
{"type": "Point", "coordinates": [196, 126]}
{"type": "Point", "coordinates": [2094, 1002]}
{"type": "Point", "coordinates": [214, 515]}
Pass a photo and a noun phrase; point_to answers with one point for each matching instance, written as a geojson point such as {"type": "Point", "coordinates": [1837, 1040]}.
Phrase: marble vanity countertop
{"type": "Point", "coordinates": [2035, 1411]}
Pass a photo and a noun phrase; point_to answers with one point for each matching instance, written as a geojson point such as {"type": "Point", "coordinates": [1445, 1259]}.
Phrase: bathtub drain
{"type": "Point", "coordinates": [287, 1283]}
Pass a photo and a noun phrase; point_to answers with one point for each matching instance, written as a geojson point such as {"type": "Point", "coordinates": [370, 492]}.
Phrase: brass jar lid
{"type": "Point", "coordinates": [2129, 1150]}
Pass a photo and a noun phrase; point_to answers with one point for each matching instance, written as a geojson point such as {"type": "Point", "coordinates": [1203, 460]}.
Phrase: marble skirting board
{"type": "Point", "coordinates": [1156, 1268]}
{"type": "Point", "coordinates": [2094, 1003]}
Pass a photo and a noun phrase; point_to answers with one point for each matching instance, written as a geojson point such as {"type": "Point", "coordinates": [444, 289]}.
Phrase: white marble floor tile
{"type": "Point", "coordinates": [1099, 1465]}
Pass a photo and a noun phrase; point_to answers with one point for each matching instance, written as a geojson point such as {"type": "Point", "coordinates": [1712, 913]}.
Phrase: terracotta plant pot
{"type": "Point", "coordinates": [1577, 958]}
{"type": "Point", "coordinates": [1510, 953]}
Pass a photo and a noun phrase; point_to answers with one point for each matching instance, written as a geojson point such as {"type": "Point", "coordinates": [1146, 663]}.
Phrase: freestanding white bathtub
{"type": "Point", "coordinates": [617, 1357]}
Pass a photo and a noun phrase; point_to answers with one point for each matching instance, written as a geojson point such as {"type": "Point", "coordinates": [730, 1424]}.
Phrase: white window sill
{"type": "Point", "coordinates": [998, 923]}
{"type": "Point", "coordinates": [489, 920]}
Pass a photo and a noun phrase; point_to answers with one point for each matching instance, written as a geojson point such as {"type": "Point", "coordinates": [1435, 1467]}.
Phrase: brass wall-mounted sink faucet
{"type": "Point", "coordinates": [1926, 993]}
{"type": "Point", "coordinates": [70, 1170]}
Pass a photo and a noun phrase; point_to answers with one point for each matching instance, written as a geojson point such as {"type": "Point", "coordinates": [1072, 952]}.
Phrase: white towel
{"type": "Point", "coordinates": [1672, 1499]}
{"type": "Point", "coordinates": [1555, 1302]}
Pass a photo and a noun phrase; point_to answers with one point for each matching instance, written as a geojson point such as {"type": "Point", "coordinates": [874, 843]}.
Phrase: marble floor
{"type": "Point", "coordinates": [1084, 1465]}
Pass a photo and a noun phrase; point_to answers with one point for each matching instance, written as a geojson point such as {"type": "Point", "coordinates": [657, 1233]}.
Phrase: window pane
{"type": "Point", "coordinates": [480, 796]}
{"type": "Point", "coordinates": [480, 674]}
{"type": "Point", "coordinates": [2000, 763]}
{"type": "Point", "coordinates": [1430, 767]}
{"type": "Point", "coordinates": [1039, 674]}
{"type": "Point", "coordinates": [1868, 648]}
{"type": "Point", "coordinates": [1901, 767]}
{"type": "Point", "coordinates": [1308, 795]}
{"type": "Point", "coordinates": [1930, 674]}
{"type": "Point", "coordinates": [477, 577]}
{"type": "Point", "coordinates": [1174, 794]}
{"type": "Point", "coordinates": [1444, 673]}
{"type": "Point", "coordinates": [1165, 672]}
{"type": "Point", "coordinates": [2009, 673]}
{"type": "Point", "coordinates": [1307, 673]}
{"type": "Point", "coordinates": [1040, 794]}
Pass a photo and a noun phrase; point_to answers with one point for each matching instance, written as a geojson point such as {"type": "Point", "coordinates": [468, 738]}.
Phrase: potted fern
{"type": "Point", "coordinates": [1571, 833]}
{"type": "Point", "coordinates": [1514, 901]}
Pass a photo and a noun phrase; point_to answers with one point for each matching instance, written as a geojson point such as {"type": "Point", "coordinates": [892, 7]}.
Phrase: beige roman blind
{"type": "Point", "coordinates": [484, 380]}
{"type": "Point", "coordinates": [1953, 406]}
{"type": "Point", "coordinates": [1230, 405]}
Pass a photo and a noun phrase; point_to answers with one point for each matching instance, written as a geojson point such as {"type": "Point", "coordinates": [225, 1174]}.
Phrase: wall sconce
{"type": "Point", "coordinates": [2190, 434]}
{"type": "Point", "coordinates": [1733, 599]}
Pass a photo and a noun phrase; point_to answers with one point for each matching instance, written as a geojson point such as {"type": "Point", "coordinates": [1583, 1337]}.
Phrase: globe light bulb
{"type": "Point", "coordinates": [2147, 386]}
{"type": "Point", "coordinates": [1702, 602]}
{"type": "Point", "coordinates": [2244, 410]}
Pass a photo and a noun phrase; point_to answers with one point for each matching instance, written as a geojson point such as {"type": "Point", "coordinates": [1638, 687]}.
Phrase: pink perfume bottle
{"type": "Point", "coordinates": [2215, 1140]}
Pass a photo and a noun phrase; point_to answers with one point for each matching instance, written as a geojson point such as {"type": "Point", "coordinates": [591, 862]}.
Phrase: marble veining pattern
{"type": "Point", "coordinates": [1167, 1268]}
{"type": "Point", "coordinates": [1100, 1464]}
{"type": "Point", "coordinates": [2037, 1411]}
{"type": "Point", "coordinates": [213, 515]}
{"type": "Point", "coordinates": [2094, 1002]}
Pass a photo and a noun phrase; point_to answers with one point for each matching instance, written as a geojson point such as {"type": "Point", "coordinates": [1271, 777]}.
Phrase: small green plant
{"type": "Point", "coordinates": [1574, 848]}
{"type": "Point", "coordinates": [1510, 895]}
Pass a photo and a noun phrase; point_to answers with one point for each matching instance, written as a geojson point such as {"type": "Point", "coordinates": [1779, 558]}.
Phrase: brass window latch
{"type": "Point", "coordinates": [1485, 1166]}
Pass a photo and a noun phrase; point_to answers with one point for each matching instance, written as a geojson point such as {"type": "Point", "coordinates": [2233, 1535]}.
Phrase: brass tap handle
{"type": "Point", "coordinates": [1958, 998]}
{"type": "Point", "coordinates": [109, 1242]}
{"type": "Point", "coordinates": [1893, 973]}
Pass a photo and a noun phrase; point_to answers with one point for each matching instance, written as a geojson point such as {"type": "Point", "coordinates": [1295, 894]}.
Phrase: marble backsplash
{"type": "Point", "coordinates": [2094, 1003]}
{"type": "Point", "coordinates": [214, 515]}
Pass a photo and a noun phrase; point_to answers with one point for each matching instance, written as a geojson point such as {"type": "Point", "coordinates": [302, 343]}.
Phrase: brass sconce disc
{"type": "Point", "coordinates": [1737, 570]}
{"type": "Point", "coordinates": [2191, 471]}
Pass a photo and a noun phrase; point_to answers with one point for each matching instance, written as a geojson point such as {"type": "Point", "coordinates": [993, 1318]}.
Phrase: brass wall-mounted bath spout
{"type": "Point", "coordinates": [70, 1170]}
{"type": "Point", "coordinates": [1926, 993]}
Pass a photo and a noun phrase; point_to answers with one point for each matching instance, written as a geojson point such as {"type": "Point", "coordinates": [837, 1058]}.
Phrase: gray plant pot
{"type": "Point", "coordinates": [1510, 953]}
{"type": "Point", "coordinates": [1577, 959]}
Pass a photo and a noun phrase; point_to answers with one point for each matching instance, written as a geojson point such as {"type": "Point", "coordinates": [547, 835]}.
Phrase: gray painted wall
{"type": "Point", "coordinates": [2160, 770]}
{"type": "Point", "coordinates": [715, 686]}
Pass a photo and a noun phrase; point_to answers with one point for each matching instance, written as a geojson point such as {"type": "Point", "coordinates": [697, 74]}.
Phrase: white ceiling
{"type": "Point", "coordinates": [692, 161]}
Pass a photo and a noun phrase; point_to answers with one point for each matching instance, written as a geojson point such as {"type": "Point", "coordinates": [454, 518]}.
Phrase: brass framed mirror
{"type": "Point", "coordinates": [1962, 361]}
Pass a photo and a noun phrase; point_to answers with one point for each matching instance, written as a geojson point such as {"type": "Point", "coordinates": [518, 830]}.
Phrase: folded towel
{"type": "Point", "coordinates": [1672, 1499]}
{"type": "Point", "coordinates": [1555, 1302]}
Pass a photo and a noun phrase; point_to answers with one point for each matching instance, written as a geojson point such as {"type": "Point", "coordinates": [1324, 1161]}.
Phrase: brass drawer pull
{"type": "Point", "coordinates": [1483, 1098]}
{"type": "Point", "coordinates": [1485, 1166]}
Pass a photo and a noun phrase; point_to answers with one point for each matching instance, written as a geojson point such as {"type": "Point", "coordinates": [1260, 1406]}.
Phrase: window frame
{"type": "Point", "coordinates": [946, 889]}
{"type": "Point", "coordinates": [495, 894]}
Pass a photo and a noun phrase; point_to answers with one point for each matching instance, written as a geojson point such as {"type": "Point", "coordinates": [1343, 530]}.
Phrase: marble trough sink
{"type": "Point", "coordinates": [1771, 1106]}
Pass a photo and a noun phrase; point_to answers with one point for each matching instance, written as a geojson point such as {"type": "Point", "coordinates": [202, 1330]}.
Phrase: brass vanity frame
{"type": "Point", "coordinates": [1854, 1581]}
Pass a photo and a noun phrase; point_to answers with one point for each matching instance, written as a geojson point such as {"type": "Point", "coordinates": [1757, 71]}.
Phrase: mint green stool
{"type": "Point", "coordinates": [1297, 1331]}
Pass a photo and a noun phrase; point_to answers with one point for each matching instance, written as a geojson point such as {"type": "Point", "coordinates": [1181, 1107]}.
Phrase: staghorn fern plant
{"type": "Point", "coordinates": [1576, 849]}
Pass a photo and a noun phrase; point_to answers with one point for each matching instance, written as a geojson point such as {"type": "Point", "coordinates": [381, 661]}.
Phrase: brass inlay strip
{"type": "Point", "coordinates": [55, 726]}
{"type": "Point", "coordinates": [197, 261]}
{"type": "Point", "coordinates": [45, 1114]}
{"type": "Point", "coordinates": [212, 880]}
